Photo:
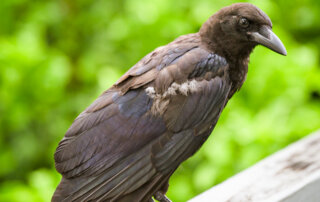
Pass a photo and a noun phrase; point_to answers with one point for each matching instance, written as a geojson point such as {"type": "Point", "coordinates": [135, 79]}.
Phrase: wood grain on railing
{"type": "Point", "coordinates": [290, 175]}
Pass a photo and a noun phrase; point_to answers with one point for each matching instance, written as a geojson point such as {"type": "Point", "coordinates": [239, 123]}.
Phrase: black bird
{"type": "Point", "coordinates": [127, 143]}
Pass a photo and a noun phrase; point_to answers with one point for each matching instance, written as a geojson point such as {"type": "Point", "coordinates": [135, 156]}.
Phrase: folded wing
{"type": "Point", "coordinates": [120, 143]}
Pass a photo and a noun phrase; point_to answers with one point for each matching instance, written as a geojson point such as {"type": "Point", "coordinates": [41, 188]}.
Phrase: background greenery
{"type": "Point", "coordinates": [57, 56]}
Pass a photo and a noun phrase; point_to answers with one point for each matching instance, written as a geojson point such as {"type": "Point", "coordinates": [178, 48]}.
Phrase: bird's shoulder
{"type": "Point", "coordinates": [162, 56]}
{"type": "Point", "coordinates": [180, 60]}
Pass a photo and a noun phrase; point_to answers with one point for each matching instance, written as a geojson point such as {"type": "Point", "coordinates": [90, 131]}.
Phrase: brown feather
{"type": "Point", "coordinates": [127, 143]}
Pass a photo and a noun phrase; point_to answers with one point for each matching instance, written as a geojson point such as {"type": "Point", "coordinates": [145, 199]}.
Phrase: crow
{"type": "Point", "coordinates": [131, 139]}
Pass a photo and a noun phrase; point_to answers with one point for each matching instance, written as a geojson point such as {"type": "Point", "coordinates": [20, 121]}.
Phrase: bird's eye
{"type": "Point", "coordinates": [243, 22]}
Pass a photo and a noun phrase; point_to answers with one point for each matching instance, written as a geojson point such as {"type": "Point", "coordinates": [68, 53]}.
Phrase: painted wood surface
{"type": "Point", "coordinates": [290, 175]}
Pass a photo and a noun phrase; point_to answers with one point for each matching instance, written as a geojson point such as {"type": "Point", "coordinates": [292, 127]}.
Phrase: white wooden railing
{"type": "Point", "coordinates": [290, 175]}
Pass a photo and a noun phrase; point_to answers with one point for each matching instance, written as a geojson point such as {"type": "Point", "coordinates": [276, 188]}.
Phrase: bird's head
{"type": "Point", "coordinates": [238, 28]}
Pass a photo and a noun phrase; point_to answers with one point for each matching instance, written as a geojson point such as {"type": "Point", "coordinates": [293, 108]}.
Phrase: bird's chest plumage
{"type": "Point", "coordinates": [237, 72]}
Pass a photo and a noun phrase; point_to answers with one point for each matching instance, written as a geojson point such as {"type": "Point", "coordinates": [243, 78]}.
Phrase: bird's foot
{"type": "Point", "coordinates": [159, 196]}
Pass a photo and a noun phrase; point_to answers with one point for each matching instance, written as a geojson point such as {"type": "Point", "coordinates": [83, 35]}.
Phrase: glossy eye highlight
{"type": "Point", "coordinates": [243, 22]}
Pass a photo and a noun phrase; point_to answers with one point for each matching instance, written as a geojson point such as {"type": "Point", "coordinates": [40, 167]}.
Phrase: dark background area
{"type": "Point", "coordinates": [57, 56]}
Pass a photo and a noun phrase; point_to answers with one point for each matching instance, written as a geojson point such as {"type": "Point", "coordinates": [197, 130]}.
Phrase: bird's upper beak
{"type": "Point", "coordinates": [267, 38]}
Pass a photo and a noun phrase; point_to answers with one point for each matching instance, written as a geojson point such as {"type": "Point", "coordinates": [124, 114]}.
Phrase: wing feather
{"type": "Point", "coordinates": [117, 145]}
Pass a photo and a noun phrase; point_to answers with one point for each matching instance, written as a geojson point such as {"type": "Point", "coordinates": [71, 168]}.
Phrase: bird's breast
{"type": "Point", "coordinates": [238, 74]}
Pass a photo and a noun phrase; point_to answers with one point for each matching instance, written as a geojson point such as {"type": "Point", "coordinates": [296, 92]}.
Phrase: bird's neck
{"type": "Point", "coordinates": [238, 60]}
{"type": "Point", "coordinates": [238, 66]}
{"type": "Point", "coordinates": [237, 73]}
{"type": "Point", "coordinates": [236, 53]}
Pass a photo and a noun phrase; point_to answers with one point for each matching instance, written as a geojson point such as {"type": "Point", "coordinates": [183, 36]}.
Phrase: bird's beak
{"type": "Point", "coordinates": [268, 39]}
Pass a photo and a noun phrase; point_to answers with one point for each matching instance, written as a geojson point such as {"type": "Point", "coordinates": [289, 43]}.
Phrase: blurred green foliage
{"type": "Point", "coordinates": [57, 56]}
